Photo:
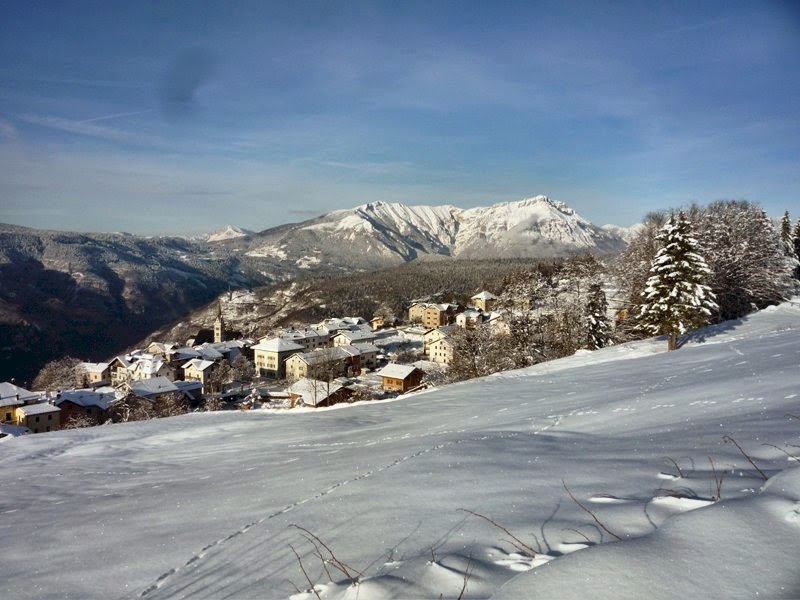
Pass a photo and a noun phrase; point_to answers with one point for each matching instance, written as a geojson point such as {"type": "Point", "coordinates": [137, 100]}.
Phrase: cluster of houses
{"type": "Point", "coordinates": [325, 364]}
{"type": "Point", "coordinates": [440, 321]}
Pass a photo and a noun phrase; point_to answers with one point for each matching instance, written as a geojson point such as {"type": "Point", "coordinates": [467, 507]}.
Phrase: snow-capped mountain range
{"type": "Point", "coordinates": [391, 232]}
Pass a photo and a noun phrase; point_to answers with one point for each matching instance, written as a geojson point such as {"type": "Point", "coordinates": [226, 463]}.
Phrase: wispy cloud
{"type": "Point", "coordinates": [7, 130]}
{"type": "Point", "coordinates": [88, 128]}
{"type": "Point", "coordinates": [116, 116]}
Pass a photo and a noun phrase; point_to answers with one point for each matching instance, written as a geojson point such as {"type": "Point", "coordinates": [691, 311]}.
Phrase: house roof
{"type": "Point", "coordinates": [199, 364]}
{"type": "Point", "coordinates": [356, 335]}
{"type": "Point", "coordinates": [444, 329]}
{"type": "Point", "coordinates": [11, 395]}
{"type": "Point", "coordinates": [365, 347]}
{"type": "Point", "coordinates": [86, 398]}
{"type": "Point", "coordinates": [124, 361]}
{"type": "Point", "coordinates": [91, 367]}
{"type": "Point", "coordinates": [484, 295]}
{"type": "Point", "coordinates": [153, 386]}
{"type": "Point", "coordinates": [322, 355]}
{"type": "Point", "coordinates": [209, 352]}
{"type": "Point", "coordinates": [278, 345]}
{"type": "Point", "coordinates": [162, 347]}
{"type": "Point", "coordinates": [40, 408]}
{"type": "Point", "coordinates": [396, 371]}
{"type": "Point", "coordinates": [187, 386]}
{"type": "Point", "coordinates": [301, 334]}
{"type": "Point", "coordinates": [312, 391]}
{"type": "Point", "coordinates": [184, 353]}
{"type": "Point", "coordinates": [148, 365]}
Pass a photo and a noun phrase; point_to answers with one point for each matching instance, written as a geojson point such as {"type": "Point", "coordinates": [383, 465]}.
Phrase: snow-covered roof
{"type": "Point", "coordinates": [396, 371]}
{"type": "Point", "coordinates": [484, 295]}
{"type": "Point", "coordinates": [123, 360]}
{"type": "Point", "coordinates": [151, 387]}
{"type": "Point", "coordinates": [40, 408]}
{"type": "Point", "coordinates": [209, 353]}
{"type": "Point", "coordinates": [11, 394]}
{"type": "Point", "coordinates": [148, 366]}
{"type": "Point", "coordinates": [365, 347]}
{"type": "Point", "coordinates": [278, 344]}
{"type": "Point", "coordinates": [313, 391]}
{"type": "Point", "coordinates": [322, 355]}
{"type": "Point", "coordinates": [86, 397]}
{"type": "Point", "coordinates": [91, 367]}
{"type": "Point", "coordinates": [356, 335]}
{"type": "Point", "coordinates": [198, 364]}
{"type": "Point", "coordinates": [184, 353]}
{"type": "Point", "coordinates": [300, 334]}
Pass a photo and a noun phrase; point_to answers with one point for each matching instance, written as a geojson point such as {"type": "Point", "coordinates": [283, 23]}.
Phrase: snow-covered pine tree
{"type": "Point", "coordinates": [786, 233]}
{"type": "Point", "coordinates": [796, 244]}
{"type": "Point", "coordinates": [676, 299]}
{"type": "Point", "coordinates": [597, 324]}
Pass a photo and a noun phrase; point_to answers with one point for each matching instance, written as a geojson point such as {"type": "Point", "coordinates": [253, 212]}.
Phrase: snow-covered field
{"type": "Point", "coordinates": [203, 506]}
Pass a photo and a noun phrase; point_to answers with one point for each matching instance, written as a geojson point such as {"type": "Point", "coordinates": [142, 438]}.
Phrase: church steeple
{"type": "Point", "coordinates": [219, 325]}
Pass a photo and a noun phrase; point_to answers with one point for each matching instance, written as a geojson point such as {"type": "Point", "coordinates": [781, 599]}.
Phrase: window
{"type": "Point", "coordinates": [49, 418]}
{"type": "Point", "coordinates": [37, 420]}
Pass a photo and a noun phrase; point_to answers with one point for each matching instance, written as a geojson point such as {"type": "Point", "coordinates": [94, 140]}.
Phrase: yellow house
{"type": "Point", "coordinates": [39, 417]}
{"type": "Point", "coordinates": [269, 356]}
{"type": "Point", "coordinates": [13, 397]}
{"type": "Point", "coordinates": [323, 363]}
{"type": "Point", "coordinates": [400, 378]}
{"type": "Point", "coordinates": [200, 370]}
{"type": "Point", "coordinates": [433, 335]}
{"type": "Point", "coordinates": [441, 351]}
{"type": "Point", "coordinates": [484, 300]}
{"type": "Point", "coordinates": [431, 315]}
{"type": "Point", "coordinates": [95, 373]}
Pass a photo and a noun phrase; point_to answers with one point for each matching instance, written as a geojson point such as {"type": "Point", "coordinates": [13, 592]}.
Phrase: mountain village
{"type": "Point", "coordinates": [336, 360]}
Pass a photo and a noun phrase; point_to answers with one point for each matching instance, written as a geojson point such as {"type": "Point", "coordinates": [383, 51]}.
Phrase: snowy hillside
{"type": "Point", "coordinates": [535, 227]}
{"type": "Point", "coordinates": [216, 505]}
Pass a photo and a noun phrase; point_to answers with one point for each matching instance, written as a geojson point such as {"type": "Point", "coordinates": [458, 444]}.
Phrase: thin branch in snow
{"type": "Point", "coordinates": [580, 533]}
{"type": "Point", "coordinates": [590, 513]}
{"type": "Point", "coordinates": [344, 568]}
{"type": "Point", "coordinates": [717, 481]}
{"type": "Point", "coordinates": [782, 450]}
{"type": "Point", "coordinates": [677, 468]}
{"type": "Point", "coordinates": [467, 573]}
{"type": "Point", "coordinates": [517, 543]}
{"type": "Point", "coordinates": [727, 438]}
{"type": "Point", "coordinates": [305, 573]}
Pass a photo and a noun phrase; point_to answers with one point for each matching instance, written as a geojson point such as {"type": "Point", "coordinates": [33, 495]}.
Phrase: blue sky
{"type": "Point", "coordinates": [178, 117]}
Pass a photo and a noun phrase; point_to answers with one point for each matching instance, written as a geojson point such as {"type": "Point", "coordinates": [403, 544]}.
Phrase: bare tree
{"type": "Point", "coordinates": [131, 408]}
{"type": "Point", "coordinates": [59, 374]}
{"type": "Point", "coordinates": [170, 405]}
{"type": "Point", "coordinates": [78, 421]}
